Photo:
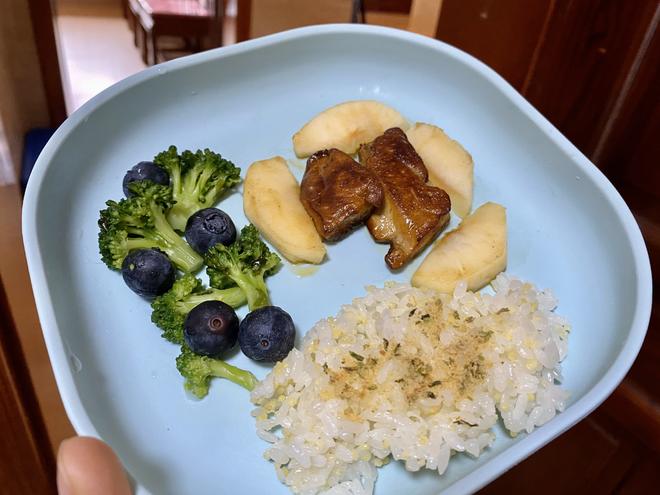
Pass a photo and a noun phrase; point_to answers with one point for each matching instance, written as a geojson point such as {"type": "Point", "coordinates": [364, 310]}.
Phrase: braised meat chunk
{"type": "Point", "coordinates": [338, 193]}
{"type": "Point", "coordinates": [413, 212]}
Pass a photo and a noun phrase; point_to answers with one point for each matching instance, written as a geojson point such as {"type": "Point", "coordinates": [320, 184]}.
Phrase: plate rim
{"type": "Point", "coordinates": [490, 469]}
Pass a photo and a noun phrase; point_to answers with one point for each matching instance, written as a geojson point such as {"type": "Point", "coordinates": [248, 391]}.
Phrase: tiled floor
{"type": "Point", "coordinates": [93, 62]}
{"type": "Point", "coordinates": [97, 47]}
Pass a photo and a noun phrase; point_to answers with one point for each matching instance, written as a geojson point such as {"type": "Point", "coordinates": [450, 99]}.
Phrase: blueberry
{"type": "Point", "coordinates": [267, 334]}
{"type": "Point", "coordinates": [145, 171]}
{"type": "Point", "coordinates": [148, 272]}
{"type": "Point", "coordinates": [211, 328]}
{"type": "Point", "coordinates": [208, 227]}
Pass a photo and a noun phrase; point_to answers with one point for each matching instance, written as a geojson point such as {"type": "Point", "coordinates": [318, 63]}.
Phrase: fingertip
{"type": "Point", "coordinates": [86, 465]}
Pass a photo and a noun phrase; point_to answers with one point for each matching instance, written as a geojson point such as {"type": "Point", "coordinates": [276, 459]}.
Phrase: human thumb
{"type": "Point", "coordinates": [87, 466]}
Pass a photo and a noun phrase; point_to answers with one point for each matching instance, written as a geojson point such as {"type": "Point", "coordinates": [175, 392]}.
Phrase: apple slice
{"type": "Point", "coordinates": [346, 126]}
{"type": "Point", "coordinates": [271, 201]}
{"type": "Point", "coordinates": [475, 252]}
{"type": "Point", "coordinates": [450, 166]}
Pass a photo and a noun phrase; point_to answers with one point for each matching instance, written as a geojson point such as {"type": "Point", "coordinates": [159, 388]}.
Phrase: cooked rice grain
{"type": "Point", "coordinates": [412, 375]}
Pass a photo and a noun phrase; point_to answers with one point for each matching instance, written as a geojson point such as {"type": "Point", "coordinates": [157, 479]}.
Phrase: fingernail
{"type": "Point", "coordinates": [63, 480]}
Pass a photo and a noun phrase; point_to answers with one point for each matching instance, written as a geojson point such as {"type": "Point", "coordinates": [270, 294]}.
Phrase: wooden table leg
{"type": "Point", "coordinates": [145, 45]}
{"type": "Point", "coordinates": [154, 46]}
{"type": "Point", "coordinates": [135, 26]}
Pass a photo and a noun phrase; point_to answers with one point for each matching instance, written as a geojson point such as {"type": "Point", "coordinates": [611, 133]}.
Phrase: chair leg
{"type": "Point", "coordinates": [194, 46]}
{"type": "Point", "coordinates": [145, 46]}
{"type": "Point", "coordinates": [135, 24]}
{"type": "Point", "coordinates": [154, 47]}
{"type": "Point", "coordinates": [215, 34]}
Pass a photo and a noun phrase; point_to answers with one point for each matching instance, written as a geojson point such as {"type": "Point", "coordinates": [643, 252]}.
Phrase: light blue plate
{"type": "Point", "coordinates": [569, 231]}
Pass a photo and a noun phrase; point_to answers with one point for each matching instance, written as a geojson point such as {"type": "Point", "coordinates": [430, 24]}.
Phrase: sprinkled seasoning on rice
{"type": "Point", "coordinates": [413, 375]}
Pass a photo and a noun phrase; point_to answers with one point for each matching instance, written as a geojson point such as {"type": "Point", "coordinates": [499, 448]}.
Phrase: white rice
{"type": "Point", "coordinates": [412, 375]}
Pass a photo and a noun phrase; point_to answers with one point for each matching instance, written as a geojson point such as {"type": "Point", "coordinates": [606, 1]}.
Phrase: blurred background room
{"type": "Point", "coordinates": [590, 66]}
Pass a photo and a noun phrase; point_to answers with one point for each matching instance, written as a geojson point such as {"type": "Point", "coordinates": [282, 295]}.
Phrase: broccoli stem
{"type": "Point", "coordinates": [139, 243]}
{"type": "Point", "coordinates": [179, 214]}
{"type": "Point", "coordinates": [239, 376]}
{"type": "Point", "coordinates": [175, 180]}
{"type": "Point", "coordinates": [185, 258]}
{"type": "Point", "coordinates": [234, 296]}
{"type": "Point", "coordinates": [175, 247]}
{"type": "Point", "coordinates": [189, 198]}
{"type": "Point", "coordinates": [254, 287]}
{"type": "Point", "coordinates": [181, 210]}
{"type": "Point", "coordinates": [202, 180]}
{"type": "Point", "coordinates": [190, 183]}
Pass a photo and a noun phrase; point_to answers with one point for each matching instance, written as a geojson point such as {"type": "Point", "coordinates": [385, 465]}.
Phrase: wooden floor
{"type": "Point", "coordinates": [94, 63]}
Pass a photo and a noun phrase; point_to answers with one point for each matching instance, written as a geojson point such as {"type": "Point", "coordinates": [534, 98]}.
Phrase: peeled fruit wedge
{"type": "Point", "coordinates": [271, 201]}
{"type": "Point", "coordinates": [475, 252]}
{"type": "Point", "coordinates": [450, 166]}
{"type": "Point", "coordinates": [346, 126]}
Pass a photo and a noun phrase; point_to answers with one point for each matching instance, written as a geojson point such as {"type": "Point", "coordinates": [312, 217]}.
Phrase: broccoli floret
{"type": "Point", "coordinates": [246, 262]}
{"type": "Point", "coordinates": [170, 309]}
{"type": "Point", "coordinates": [139, 222]}
{"type": "Point", "coordinates": [198, 371]}
{"type": "Point", "coordinates": [198, 180]}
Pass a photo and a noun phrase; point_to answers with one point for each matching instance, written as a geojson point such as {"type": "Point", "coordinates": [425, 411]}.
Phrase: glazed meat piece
{"type": "Point", "coordinates": [413, 212]}
{"type": "Point", "coordinates": [338, 193]}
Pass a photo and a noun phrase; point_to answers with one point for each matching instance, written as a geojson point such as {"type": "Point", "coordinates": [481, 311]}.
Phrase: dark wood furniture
{"type": "Point", "coordinates": [255, 18]}
{"type": "Point", "coordinates": [191, 20]}
{"type": "Point", "coordinates": [41, 16]}
{"type": "Point", "coordinates": [27, 463]}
